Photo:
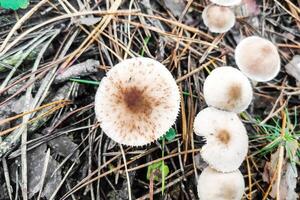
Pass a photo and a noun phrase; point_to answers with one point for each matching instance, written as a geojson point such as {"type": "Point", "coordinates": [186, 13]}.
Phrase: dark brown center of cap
{"type": "Point", "coordinates": [133, 98]}
{"type": "Point", "coordinates": [223, 136]}
{"type": "Point", "coordinates": [136, 100]}
{"type": "Point", "coordinates": [234, 94]}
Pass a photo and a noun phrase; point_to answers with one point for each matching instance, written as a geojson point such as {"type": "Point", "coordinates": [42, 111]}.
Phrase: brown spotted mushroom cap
{"type": "Point", "coordinates": [226, 139]}
{"type": "Point", "coordinates": [137, 102]}
{"type": "Point", "coordinates": [257, 58]}
{"type": "Point", "coordinates": [214, 185]}
{"type": "Point", "coordinates": [218, 19]}
{"type": "Point", "coordinates": [228, 89]}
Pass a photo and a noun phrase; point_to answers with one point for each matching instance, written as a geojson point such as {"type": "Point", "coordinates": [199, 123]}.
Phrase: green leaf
{"type": "Point", "coordinates": [159, 170]}
{"type": "Point", "coordinates": [14, 4]}
{"type": "Point", "coordinates": [146, 40]}
{"type": "Point", "coordinates": [84, 81]}
{"type": "Point", "coordinates": [171, 134]}
{"type": "Point", "coordinates": [271, 146]}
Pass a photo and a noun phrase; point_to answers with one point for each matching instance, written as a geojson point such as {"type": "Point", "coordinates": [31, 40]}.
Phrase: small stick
{"type": "Point", "coordinates": [281, 154]}
{"type": "Point", "coordinates": [126, 171]}
{"type": "Point", "coordinates": [249, 179]}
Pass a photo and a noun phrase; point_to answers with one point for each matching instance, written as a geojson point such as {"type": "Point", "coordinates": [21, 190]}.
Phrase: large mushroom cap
{"type": "Point", "coordinates": [257, 58]}
{"type": "Point", "coordinates": [213, 185]}
{"type": "Point", "coordinates": [218, 19]}
{"type": "Point", "coordinates": [137, 102]}
{"type": "Point", "coordinates": [228, 89]}
{"type": "Point", "coordinates": [227, 2]}
{"type": "Point", "coordinates": [226, 138]}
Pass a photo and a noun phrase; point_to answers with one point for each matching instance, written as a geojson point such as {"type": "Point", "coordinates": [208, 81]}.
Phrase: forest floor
{"type": "Point", "coordinates": [54, 53]}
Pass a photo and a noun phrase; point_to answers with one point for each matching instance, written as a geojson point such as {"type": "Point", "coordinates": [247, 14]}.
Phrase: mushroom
{"type": "Point", "coordinates": [218, 19]}
{"type": "Point", "coordinates": [227, 2]}
{"type": "Point", "coordinates": [257, 58]}
{"type": "Point", "coordinates": [228, 89]}
{"type": "Point", "coordinates": [213, 185]}
{"type": "Point", "coordinates": [137, 102]}
{"type": "Point", "coordinates": [226, 139]}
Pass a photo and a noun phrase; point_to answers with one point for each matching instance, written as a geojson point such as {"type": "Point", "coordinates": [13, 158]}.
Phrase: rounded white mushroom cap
{"type": "Point", "coordinates": [218, 19]}
{"type": "Point", "coordinates": [228, 89]}
{"type": "Point", "coordinates": [257, 58]}
{"type": "Point", "coordinates": [227, 2]}
{"type": "Point", "coordinates": [214, 185]}
{"type": "Point", "coordinates": [137, 102]}
{"type": "Point", "coordinates": [226, 138]}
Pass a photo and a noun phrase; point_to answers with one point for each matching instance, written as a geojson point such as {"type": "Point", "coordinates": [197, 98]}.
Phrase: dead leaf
{"type": "Point", "coordinates": [176, 7]}
{"type": "Point", "coordinates": [290, 182]}
{"type": "Point", "coordinates": [288, 178]}
{"type": "Point", "coordinates": [251, 7]}
{"type": "Point", "coordinates": [64, 146]}
{"type": "Point", "coordinates": [35, 161]}
{"type": "Point", "coordinates": [82, 69]}
{"type": "Point", "coordinates": [248, 8]}
{"type": "Point", "coordinates": [270, 167]}
{"type": "Point", "coordinates": [89, 21]}
{"type": "Point", "coordinates": [293, 67]}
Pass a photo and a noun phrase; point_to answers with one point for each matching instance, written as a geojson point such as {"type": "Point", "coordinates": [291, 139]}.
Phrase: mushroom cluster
{"type": "Point", "coordinates": [137, 102]}
{"type": "Point", "coordinates": [228, 91]}
{"type": "Point", "coordinates": [219, 16]}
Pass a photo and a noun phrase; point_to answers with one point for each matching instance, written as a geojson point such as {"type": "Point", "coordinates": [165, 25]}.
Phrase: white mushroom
{"type": "Point", "coordinates": [227, 2]}
{"type": "Point", "coordinates": [257, 58]}
{"type": "Point", "coordinates": [226, 138]}
{"type": "Point", "coordinates": [228, 89]}
{"type": "Point", "coordinates": [137, 102]}
{"type": "Point", "coordinates": [213, 185]}
{"type": "Point", "coordinates": [218, 19]}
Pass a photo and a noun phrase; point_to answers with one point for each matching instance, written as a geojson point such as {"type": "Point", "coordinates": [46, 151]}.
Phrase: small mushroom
{"type": "Point", "coordinates": [257, 58]}
{"type": "Point", "coordinates": [226, 138]}
{"type": "Point", "coordinates": [213, 185]}
{"type": "Point", "coordinates": [137, 102]}
{"type": "Point", "coordinates": [227, 2]}
{"type": "Point", "coordinates": [228, 89]}
{"type": "Point", "coordinates": [218, 19]}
